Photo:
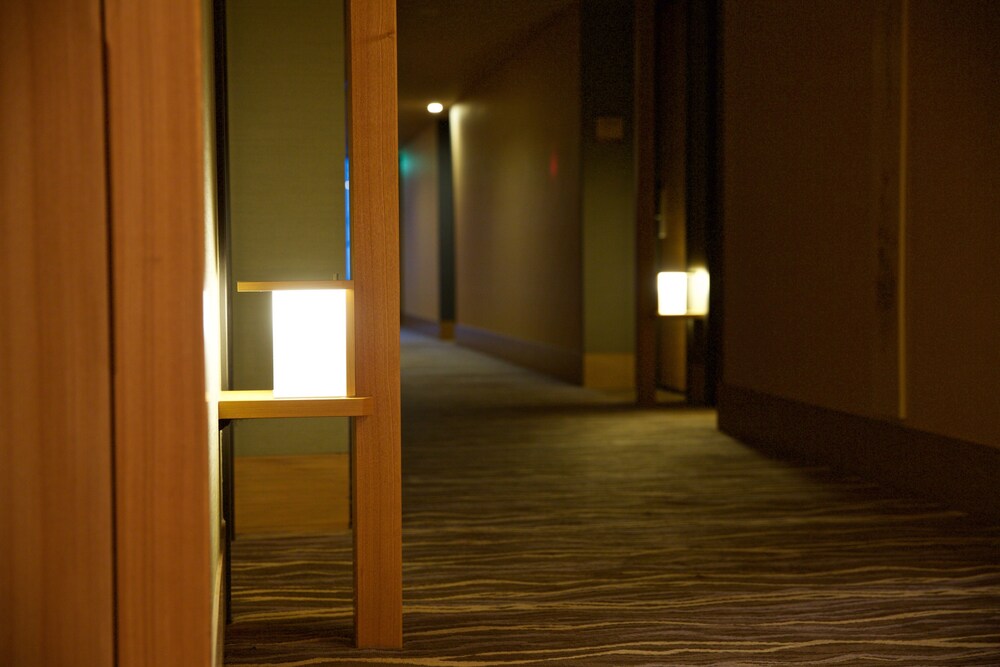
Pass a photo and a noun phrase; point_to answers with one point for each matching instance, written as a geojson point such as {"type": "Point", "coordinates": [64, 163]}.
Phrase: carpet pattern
{"type": "Point", "coordinates": [549, 525]}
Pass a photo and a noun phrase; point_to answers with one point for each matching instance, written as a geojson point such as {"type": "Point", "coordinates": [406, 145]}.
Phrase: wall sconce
{"type": "Point", "coordinates": [681, 293]}
{"type": "Point", "coordinates": [313, 336]}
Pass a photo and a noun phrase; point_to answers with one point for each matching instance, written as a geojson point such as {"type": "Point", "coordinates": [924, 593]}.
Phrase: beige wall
{"type": "Point", "coordinates": [815, 286]}
{"type": "Point", "coordinates": [287, 147]}
{"type": "Point", "coordinates": [516, 152]}
{"type": "Point", "coordinates": [421, 228]}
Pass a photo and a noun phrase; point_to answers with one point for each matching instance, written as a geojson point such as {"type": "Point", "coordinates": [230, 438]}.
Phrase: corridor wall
{"type": "Point", "coordinates": [860, 171]}
{"type": "Point", "coordinates": [421, 210]}
{"type": "Point", "coordinates": [541, 267]}
{"type": "Point", "coordinates": [516, 161]}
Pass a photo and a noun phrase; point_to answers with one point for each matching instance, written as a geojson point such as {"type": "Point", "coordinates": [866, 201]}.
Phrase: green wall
{"type": "Point", "coordinates": [287, 145]}
{"type": "Point", "coordinates": [607, 204]}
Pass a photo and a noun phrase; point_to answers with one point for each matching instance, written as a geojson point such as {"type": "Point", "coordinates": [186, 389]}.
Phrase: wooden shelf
{"type": "Point", "coordinates": [271, 286]}
{"type": "Point", "coordinates": [261, 404]}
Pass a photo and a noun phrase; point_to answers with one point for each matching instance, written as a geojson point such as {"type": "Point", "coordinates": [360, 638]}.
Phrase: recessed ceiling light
{"type": "Point", "coordinates": [435, 107]}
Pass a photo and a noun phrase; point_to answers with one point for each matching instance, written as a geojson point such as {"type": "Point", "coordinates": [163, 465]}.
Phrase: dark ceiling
{"type": "Point", "coordinates": [445, 45]}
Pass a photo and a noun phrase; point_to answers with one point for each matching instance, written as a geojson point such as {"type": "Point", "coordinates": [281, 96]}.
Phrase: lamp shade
{"type": "Point", "coordinates": [312, 327]}
{"type": "Point", "coordinates": [672, 292]}
{"type": "Point", "coordinates": [682, 292]}
{"type": "Point", "coordinates": [697, 297]}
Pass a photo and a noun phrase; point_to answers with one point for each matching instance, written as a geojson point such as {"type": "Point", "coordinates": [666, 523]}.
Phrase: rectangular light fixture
{"type": "Point", "coordinates": [313, 337]}
{"type": "Point", "coordinates": [682, 293]}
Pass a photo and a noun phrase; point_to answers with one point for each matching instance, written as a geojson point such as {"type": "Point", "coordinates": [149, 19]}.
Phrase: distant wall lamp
{"type": "Point", "coordinates": [435, 107]}
{"type": "Point", "coordinates": [313, 335]}
{"type": "Point", "coordinates": [682, 293]}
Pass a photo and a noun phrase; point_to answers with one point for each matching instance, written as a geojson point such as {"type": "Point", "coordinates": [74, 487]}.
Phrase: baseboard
{"type": "Point", "coordinates": [445, 330]}
{"type": "Point", "coordinates": [549, 359]}
{"type": "Point", "coordinates": [957, 473]}
{"type": "Point", "coordinates": [608, 370]}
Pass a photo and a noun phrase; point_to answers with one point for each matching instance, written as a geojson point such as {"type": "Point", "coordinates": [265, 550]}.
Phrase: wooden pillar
{"type": "Point", "coordinates": [164, 417]}
{"type": "Point", "coordinates": [377, 507]}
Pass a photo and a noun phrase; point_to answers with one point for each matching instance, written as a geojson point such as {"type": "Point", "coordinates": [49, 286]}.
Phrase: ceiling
{"type": "Point", "coordinates": [445, 45]}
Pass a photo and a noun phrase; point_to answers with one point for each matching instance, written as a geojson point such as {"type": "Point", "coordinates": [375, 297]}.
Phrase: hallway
{"type": "Point", "coordinates": [546, 524]}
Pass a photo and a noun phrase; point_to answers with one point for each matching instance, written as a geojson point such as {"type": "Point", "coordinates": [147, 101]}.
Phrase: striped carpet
{"type": "Point", "coordinates": [544, 524]}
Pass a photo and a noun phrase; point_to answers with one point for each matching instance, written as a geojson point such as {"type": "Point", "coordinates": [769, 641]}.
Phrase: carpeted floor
{"type": "Point", "coordinates": [544, 524]}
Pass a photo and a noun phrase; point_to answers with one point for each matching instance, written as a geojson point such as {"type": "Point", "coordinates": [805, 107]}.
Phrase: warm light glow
{"type": "Point", "coordinates": [680, 293]}
{"type": "Point", "coordinates": [310, 342]}
{"type": "Point", "coordinates": [672, 292]}
{"type": "Point", "coordinates": [697, 297]}
{"type": "Point", "coordinates": [435, 107]}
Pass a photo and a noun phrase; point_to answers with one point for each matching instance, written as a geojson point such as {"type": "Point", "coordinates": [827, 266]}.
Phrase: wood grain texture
{"type": "Point", "coordinates": [375, 252]}
{"type": "Point", "coordinates": [292, 494]}
{"type": "Point", "coordinates": [261, 404]}
{"type": "Point", "coordinates": [56, 558]}
{"type": "Point", "coordinates": [271, 286]}
{"type": "Point", "coordinates": [157, 171]}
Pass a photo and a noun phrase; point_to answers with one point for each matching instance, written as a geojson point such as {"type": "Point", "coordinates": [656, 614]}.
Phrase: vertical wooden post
{"type": "Point", "coordinates": [164, 407]}
{"type": "Point", "coordinates": [645, 205]}
{"type": "Point", "coordinates": [377, 508]}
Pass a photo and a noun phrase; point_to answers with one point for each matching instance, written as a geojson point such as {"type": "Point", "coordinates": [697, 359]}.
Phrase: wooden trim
{"type": "Point", "coordinates": [161, 400]}
{"type": "Point", "coordinates": [373, 150]}
{"type": "Point", "coordinates": [275, 285]}
{"type": "Point", "coordinates": [56, 555]}
{"type": "Point", "coordinates": [955, 472]}
{"type": "Point", "coordinates": [261, 404]}
{"type": "Point", "coordinates": [555, 361]}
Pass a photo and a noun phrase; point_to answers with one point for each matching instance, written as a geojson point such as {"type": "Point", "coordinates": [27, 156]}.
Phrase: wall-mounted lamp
{"type": "Point", "coordinates": [681, 293]}
{"type": "Point", "coordinates": [435, 107]}
{"type": "Point", "coordinates": [313, 329]}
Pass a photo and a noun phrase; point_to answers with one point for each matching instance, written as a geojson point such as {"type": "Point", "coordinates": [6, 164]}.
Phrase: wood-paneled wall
{"type": "Point", "coordinates": [56, 589]}
{"type": "Point", "coordinates": [104, 535]}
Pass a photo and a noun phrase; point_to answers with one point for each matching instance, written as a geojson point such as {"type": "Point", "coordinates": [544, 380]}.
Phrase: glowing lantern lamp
{"type": "Point", "coordinates": [313, 337]}
{"type": "Point", "coordinates": [682, 293]}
